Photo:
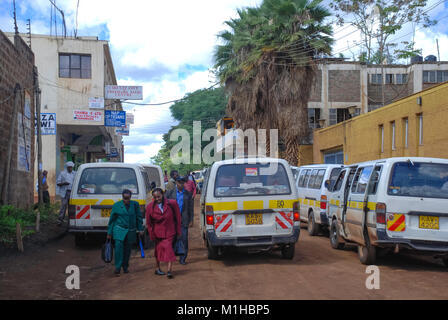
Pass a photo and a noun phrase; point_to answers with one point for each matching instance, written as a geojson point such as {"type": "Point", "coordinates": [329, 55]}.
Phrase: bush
{"type": "Point", "coordinates": [10, 216]}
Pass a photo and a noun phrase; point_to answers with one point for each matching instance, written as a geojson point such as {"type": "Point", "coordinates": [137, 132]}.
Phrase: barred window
{"type": "Point", "coordinates": [75, 66]}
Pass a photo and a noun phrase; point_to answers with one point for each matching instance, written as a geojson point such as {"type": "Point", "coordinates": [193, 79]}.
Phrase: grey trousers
{"type": "Point", "coordinates": [64, 205]}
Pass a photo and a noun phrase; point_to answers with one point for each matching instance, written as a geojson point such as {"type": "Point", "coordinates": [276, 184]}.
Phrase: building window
{"type": "Point", "coordinates": [340, 114]}
{"type": "Point", "coordinates": [442, 76]}
{"type": "Point", "coordinates": [420, 128]}
{"type": "Point", "coordinates": [334, 157]}
{"type": "Point", "coordinates": [75, 66]}
{"type": "Point", "coordinates": [381, 127]}
{"type": "Point", "coordinates": [376, 78]}
{"type": "Point", "coordinates": [429, 76]}
{"type": "Point", "coordinates": [392, 126]}
{"type": "Point", "coordinates": [313, 117]}
{"type": "Point", "coordinates": [401, 78]}
{"type": "Point", "coordinates": [405, 132]}
{"type": "Point", "coordinates": [389, 78]}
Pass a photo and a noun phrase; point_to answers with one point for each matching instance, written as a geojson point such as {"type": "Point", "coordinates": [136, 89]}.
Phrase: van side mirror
{"type": "Point", "coordinates": [327, 184]}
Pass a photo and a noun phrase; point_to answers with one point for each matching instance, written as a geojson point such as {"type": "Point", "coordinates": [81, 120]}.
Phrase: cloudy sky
{"type": "Point", "coordinates": [167, 47]}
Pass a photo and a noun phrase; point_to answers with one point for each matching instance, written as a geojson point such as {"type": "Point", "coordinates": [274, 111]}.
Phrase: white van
{"type": "Point", "coordinates": [251, 203]}
{"type": "Point", "coordinates": [391, 204]}
{"type": "Point", "coordinates": [312, 186]}
{"type": "Point", "coordinates": [96, 187]}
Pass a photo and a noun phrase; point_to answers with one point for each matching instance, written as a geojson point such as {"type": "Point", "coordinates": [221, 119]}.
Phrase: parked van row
{"type": "Point", "coordinates": [97, 186]}
{"type": "Point", "coordinates": [382, 205]}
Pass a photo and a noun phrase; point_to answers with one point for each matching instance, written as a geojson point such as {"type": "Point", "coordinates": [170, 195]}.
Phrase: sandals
{"type": "Point", "coordinates": [169, 275]}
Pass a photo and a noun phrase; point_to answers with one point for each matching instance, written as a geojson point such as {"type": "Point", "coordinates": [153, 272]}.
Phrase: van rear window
{"type": "Point", "coordinates": [248, 180]}
{"type": "Point", "coordinates": [107, 181]}
{"type": "Point", "coordinates": [426, 180]}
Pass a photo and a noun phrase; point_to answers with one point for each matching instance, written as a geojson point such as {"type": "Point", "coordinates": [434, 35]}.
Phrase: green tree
{"type": "Point", "coordinates": [267, 63]}
{"type": "Point", "coordinates": [378, 21]}
{"type": "Point", "coordinates": [206, 106]}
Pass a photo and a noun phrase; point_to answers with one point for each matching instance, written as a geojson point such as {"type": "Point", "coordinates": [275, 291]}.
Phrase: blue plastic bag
{"type": "Point", "coordinates": [142, 252]}
{"type": "Point", "coordinates": [107, 251]}
{"type": "Point", "coordinates": [179, 249]}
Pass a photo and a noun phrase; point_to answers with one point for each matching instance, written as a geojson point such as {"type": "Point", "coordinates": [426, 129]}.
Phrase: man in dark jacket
{"type": "Point", "coordinates": [185, 201]}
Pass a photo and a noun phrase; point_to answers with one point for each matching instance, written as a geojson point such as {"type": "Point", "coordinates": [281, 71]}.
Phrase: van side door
{"type": "Point", "coordinates": [336, 197]}
{"type": "Point", "coordinates": [301, 189]}
{"type": "Point", "coordinates": [371, 201]}
{"type": "Point", "coordinates": [356, 203]}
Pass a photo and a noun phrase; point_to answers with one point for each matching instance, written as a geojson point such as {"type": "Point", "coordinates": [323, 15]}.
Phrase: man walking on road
{"type": "Point", "coordinates": [185, 202]}
{"type": "Point", "coordinates": [172, 183]}
{"type": "Point", "coordinates": [64, 188]}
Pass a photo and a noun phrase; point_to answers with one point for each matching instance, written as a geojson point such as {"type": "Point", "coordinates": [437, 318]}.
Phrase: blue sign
{"type": "Point", "coordinates": [114, 118]}
{"type": "Point", "coordinates": [113, 153]}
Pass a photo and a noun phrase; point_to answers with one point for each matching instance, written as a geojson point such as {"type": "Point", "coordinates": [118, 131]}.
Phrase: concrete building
{"type": "Point", "coordinates": [413, 126]}
{"type": "Point", "coordinates": [17, 101]}
{"type": "Point", "coordinates": [341, 84]}
{"type": "Point", "coordinates": [73, 71]}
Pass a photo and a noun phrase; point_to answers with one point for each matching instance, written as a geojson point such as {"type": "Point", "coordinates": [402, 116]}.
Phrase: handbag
{"type": "Point", "coordinates": [107, 251]}
{"type": "Point", "coordinates": [178, 245]}
{"type": "Point", "coordinates": [179, 249]}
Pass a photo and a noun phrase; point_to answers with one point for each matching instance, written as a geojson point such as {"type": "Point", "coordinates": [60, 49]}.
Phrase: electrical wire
{"type": "Point", "coordinates": [305, 51]}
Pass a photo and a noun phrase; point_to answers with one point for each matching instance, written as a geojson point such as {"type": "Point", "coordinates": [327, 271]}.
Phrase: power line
{"type": "Point", "coordinates": [304, 51]}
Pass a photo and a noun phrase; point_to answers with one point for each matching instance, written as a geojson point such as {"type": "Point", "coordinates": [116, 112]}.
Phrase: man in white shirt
{"type": "Point", "coordinates": [64, 187]}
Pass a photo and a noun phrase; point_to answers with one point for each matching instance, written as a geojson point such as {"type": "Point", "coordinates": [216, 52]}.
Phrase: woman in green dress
{"type": "Point", "coordinates": [125, 220]}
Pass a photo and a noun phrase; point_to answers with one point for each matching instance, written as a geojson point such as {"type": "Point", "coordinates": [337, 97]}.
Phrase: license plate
{"type": "Point", "coordinates": [254, 218]}
{"type": "Point", "coordinates": [105, 213]}
{"type": "Point", "coordinates": [429, 222]}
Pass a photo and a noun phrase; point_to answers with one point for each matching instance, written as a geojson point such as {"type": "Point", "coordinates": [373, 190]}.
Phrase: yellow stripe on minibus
{"type": "Point", "coordinates": [253, 205]}
{"type": "Point", "coordinates": [83, 202]}
{"type": "Point", "coordinates": [223, 206]}
{"type": "Point", "coordinates": [280, 204]}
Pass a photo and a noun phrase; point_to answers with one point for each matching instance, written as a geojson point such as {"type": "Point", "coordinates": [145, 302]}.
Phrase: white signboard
{"type": "Point", "coordinates": [88, 115]}
{"type": "Point", "coordinates": [96, 103]}
{"type": "Point", "coordinates": [129, 118]}
{"type": "Point", "coordinates": [124, 131]}
{"type": "Point", "coordinates": [47, 124]}
{"type": "Point", "coordinates": [124, 92]}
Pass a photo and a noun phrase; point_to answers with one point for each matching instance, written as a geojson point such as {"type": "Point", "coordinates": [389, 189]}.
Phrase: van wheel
{"type": "Point", "coordinates": [367, 254]}
{"type": "Point", "coordinates": [288, 251]}
{"type": "Point", "coordinates": [335, 238]}
{"type": "Point", "coordinates": [212, 252]}
{"type": "Point", "coordinates": [313, 227]}
{"type": "Point", "coordinates": [80, 239]}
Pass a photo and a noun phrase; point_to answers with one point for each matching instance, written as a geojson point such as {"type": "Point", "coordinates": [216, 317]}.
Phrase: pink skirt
{"type": "Point", "coordinates": [164, 250]}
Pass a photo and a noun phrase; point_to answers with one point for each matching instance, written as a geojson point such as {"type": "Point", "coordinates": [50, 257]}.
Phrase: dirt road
{"type": "Point", "coordinates": [316, 272]}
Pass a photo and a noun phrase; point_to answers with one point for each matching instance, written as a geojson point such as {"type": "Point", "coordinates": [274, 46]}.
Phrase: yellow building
{"type": "Point", "coordinates": [414, 126]}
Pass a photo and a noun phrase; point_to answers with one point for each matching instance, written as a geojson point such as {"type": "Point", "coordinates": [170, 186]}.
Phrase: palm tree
{"type": "Point", "coordinates": [267, 63]}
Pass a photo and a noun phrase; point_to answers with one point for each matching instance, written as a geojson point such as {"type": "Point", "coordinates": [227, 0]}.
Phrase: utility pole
{"type": "Point", "coordinates": [16, 29]}
{"type": "Point", "coordinates": [39, 135]}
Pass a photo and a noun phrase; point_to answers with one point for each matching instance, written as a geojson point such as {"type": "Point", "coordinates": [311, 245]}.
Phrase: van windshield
{"type": "Point", "coordinates": [107, 181]}
{"type": "Point", "coordinates": [428, 180]}
{"type": "Point", "coordinates": [248, 180]}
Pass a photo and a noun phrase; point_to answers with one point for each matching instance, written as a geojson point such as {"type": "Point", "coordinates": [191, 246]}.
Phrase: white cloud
{"type": "Point", "coordinates": [427, 42]}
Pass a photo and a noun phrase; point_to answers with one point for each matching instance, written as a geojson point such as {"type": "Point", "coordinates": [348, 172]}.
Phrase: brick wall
{"type": "Point", "coordinates": [16, 67]}
{"type": "Point", "coordinates": [344, 86]}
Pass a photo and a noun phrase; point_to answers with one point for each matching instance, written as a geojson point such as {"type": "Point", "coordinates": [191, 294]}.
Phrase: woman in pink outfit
{"type": "Point", "coordinates": [163, 221]}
